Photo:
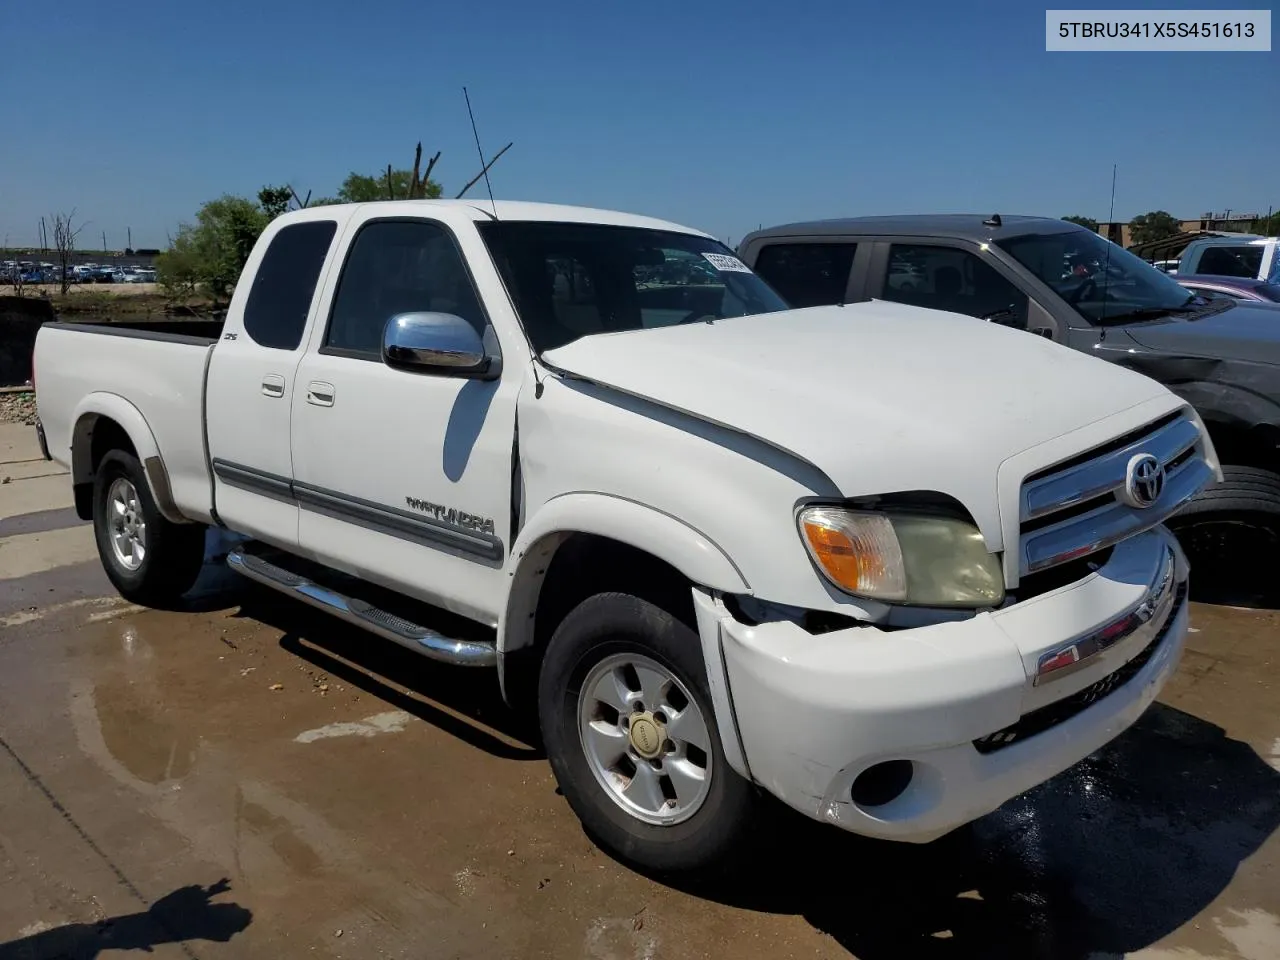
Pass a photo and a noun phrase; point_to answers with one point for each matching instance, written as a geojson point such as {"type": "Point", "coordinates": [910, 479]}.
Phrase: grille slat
{"type": "Point", "coordinates": [1076, 509]}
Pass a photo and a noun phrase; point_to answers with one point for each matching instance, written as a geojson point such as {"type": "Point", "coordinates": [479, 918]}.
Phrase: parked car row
{"type": "Point", "coordinates": [25, 271]}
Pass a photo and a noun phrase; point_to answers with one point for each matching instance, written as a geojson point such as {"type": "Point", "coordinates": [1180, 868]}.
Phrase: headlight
{"type": "Point", "coordinates": [902, 557]}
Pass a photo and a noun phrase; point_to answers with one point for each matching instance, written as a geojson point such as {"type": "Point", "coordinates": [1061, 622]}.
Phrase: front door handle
{"type": "Point", "coordinates": [273, 385]}
{"type": "Point", "coordinates": [320, 393]}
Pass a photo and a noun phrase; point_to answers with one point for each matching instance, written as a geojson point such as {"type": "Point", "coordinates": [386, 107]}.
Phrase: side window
{"type": "Point", "coordinates": [276, 312]}
{"type": "Point", "coordinates": [807, 274]}
{"type": "Point", "coordinates": [393, 267]}
{"type": "Point", "coordinates": [1231, 261]}
{"type": "Point", "coordinates": [945, 278]}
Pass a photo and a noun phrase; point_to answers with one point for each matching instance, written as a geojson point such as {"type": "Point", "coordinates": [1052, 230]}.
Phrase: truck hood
{"type": "Point", "coordinates": [880, 397]}
{"type": "Point", "coordinates": [1244, 331]}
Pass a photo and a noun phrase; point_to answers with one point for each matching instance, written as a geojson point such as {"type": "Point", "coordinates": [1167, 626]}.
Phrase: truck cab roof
{"type": "Point", "coordinates": [969, 226]}
{"type": "Point", "coordinates": [516, 210]}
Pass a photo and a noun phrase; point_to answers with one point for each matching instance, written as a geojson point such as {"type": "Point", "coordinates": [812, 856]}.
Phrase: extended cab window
{"type": "Point", "coordinates": [276, 312]}
{"type": "Point", "coordinates": [945, 278]}
{"type": "Point", "coordinates": [807, 274]}
{"type": "Point", "coordinates": [394, 267]}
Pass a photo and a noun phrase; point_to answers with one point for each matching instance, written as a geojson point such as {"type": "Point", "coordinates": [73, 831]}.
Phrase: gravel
{"type": "Point", "coordinates": [18, 407]}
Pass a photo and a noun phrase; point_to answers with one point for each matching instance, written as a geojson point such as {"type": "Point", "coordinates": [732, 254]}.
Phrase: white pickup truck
{"type": "Point", "coordinates": [890, 565]}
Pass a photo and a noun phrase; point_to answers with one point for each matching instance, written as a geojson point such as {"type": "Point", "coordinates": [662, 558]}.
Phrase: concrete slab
{"type": "Point", "coordinates": [345, 786]}
{"type": "Point", "coordinates": [25, 554]}
{"type": "Point", "coordinates": [29, 470]}
{"type": "Point", "coordinates": [35, 494]}
{"type": "Point", "coordinates": [18, 442]}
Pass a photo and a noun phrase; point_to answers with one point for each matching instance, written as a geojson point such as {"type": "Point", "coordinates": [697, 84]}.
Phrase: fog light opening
{"type": "Point", "coordinates": [882, 783]}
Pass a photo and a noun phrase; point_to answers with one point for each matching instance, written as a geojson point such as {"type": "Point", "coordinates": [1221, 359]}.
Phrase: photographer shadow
{"type": "Point", "coordinates": [183, 915]}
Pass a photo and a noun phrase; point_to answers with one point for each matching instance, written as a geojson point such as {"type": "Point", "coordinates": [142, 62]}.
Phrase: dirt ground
{"type": "Point", "coordinates": [247, 778]}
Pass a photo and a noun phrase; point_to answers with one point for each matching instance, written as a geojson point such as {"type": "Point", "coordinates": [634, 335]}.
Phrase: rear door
{"type": "Point", "coordinates": [251, 380]}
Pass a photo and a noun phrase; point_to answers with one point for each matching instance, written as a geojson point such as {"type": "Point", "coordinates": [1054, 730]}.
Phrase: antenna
{"type": "Point", "coordinates": [1106, 265]}
{"type": "Point", "coordinates": [476, 134]}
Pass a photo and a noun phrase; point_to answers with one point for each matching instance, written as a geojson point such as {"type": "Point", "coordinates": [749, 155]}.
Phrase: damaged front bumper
{"type": "Point", "coordinates": [907, 734]}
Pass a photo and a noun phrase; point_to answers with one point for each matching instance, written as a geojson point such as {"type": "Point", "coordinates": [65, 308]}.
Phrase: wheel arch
{"type": "Point", "coordinates": [107, 421]}
{"type": "Point", "coordinates": [614, 539]}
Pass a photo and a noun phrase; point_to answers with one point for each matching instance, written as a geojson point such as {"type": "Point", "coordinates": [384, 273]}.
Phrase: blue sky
{"type": "Point", "coordinates": [721, 116]}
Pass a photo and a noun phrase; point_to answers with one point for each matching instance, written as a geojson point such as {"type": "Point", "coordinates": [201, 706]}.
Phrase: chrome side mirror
{"type": "Point", "coordinates": [440, 343]}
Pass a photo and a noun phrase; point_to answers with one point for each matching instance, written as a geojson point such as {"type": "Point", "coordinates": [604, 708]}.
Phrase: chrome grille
{"type": "Point", "coordinates": [1077, 508]}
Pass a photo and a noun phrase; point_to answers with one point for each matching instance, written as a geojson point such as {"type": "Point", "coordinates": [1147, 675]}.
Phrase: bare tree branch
{"type": "Point", "coordinates": [64, 239]}
{"type": "Point", "coordinates": [413, 177]}
{"type": "Point", "coordinates": [472, 182]}
{"type": "Point", "coordinates": [426, 177]}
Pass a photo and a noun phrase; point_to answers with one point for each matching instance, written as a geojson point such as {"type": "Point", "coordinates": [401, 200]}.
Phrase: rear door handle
{"type": "Point", "coordinates": [320, 393]}
{"type": "Point", "coordinates": [273, 385]}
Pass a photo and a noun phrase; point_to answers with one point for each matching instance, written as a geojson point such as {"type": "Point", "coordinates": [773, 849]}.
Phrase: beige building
{"type": "Point", "coordinates": [1228, 221]}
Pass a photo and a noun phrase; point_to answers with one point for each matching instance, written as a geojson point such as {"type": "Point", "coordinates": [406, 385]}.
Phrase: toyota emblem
{"type": "Point", "coordinates": [1144, 481]}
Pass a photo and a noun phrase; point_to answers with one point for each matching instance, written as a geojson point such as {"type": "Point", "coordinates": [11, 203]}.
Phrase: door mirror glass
{"type": "Point", "coordinates": [434, 342]}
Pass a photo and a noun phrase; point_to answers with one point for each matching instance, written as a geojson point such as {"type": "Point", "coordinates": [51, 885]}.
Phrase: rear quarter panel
{"type": "Point", "coordinates": [152, 385]}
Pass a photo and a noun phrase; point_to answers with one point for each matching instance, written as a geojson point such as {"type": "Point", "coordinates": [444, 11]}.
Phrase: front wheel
{"type": "Point", "coordinates": [627, 721]}
{"type": "Point", "coordinates": [149, 559]}
{"type": "Point", "coordinates": [1231, 535]}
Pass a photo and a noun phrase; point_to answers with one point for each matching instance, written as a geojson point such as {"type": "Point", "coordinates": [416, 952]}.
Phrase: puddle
{"type": "Point", "coordinates": [138, 729]}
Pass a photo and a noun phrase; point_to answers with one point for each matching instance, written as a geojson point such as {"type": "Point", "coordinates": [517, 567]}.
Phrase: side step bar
{"type": "Point", "coordinates": [464, 653]}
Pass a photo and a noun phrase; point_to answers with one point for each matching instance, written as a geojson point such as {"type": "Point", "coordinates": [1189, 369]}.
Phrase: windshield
{"type": "Point", "coordinates": [1102, 281]}
{"type": "Point", "coordinates": [571, 280]}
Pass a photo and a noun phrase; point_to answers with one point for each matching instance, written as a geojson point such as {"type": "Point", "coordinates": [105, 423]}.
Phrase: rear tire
{"type": "Point", "coordinates": [150, 560]}
{"type": "Point", "coordinates": [1231, 535]}
{"type": "Point", "coordinates": [695, 813]}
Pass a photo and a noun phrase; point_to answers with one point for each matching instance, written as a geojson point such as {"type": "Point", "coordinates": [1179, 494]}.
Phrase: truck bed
{"type": "Point", "coordinates": [146, 375]}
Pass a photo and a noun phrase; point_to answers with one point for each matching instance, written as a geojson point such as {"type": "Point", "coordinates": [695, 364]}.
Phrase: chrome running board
{"type": "Point", "coordinates": [463, 653]}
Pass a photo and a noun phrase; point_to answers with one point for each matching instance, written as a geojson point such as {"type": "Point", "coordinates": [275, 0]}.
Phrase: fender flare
{"type": "Point", "coordinates": [646, 528]}
{"type": "Point", "coordinates": [114, 407]}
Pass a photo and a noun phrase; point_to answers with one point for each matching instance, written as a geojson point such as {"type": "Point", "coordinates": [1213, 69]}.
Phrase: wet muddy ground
{"type": "Point", "coordinates": [252, 779]}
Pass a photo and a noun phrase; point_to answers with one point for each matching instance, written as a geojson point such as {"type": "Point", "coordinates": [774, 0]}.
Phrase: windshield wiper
{"type": "Point", "coordinates": [1133, 316]}
{"type": "Point", "coordinates": [1148, 313]}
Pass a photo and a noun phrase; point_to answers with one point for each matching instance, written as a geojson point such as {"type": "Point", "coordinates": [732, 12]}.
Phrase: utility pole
{"type": "Point", "coordinates": [104, 242]}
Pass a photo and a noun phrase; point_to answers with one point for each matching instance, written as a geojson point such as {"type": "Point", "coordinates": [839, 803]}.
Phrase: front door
{"type": "Point", "coordinates": [251, 383]}
{"type": "Point", "coordinates": [404, 478]}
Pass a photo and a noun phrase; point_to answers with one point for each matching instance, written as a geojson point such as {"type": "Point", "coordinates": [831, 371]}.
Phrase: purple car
{"type": "Point", "coordinates": [1213, 287]}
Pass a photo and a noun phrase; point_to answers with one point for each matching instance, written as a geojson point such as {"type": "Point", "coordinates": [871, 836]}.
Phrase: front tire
{"type": "Point", "coordinates": [150, 560]}
{"type": "Point", "coordinates": [628, 725]}
{"type": "Point", "coordinates": [1231, 535]}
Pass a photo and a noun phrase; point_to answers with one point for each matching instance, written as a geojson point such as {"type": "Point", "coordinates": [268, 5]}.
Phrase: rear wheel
{"type": "Point", "coordinates": [1231, 534]}
{"type": "Point", "coordinates": [149, 559]}
{"type": "Point", "coordinates": [627, 721]}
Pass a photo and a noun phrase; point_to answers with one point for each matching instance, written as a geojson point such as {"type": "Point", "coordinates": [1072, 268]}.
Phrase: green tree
{"type": "Point", "coordinates": [210, 253]}
{"type": "Point", "coordinates": [1267, 226]}
{"type": "Point", "coordinates": [274, 200]}
{"type": "Point", "coordinates": [1087, 222]}
{"type": "Point", "coordinates": [1156, 225]}
{"type": "Point", "coordinates": [358, 188]}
